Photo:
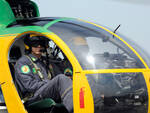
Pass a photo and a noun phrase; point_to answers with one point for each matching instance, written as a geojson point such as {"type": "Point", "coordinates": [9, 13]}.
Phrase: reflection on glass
{"type": "Point", "coordinates": [90, 59]}
{"type": "Point", "coordinates": [88, 40]}
{"type": "Point", "coordinates": [119, 92]}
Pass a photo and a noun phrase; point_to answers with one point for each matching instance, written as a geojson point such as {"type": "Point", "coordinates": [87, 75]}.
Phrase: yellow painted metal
{"type": "Point", "coordinates": [7, 35]}
{"type": "Point", "coordinates": [80, 82]}
{"type": "Point", "coordinates": [115, 71]}
{"type": "Point", "coordinates": [12, 99]}
{"type": "Point", "coordinates": [121, 40]}
{"type": "Point", "coordinates": [1, 45]}
{"type": "Point", "coordinates": [147, 79]}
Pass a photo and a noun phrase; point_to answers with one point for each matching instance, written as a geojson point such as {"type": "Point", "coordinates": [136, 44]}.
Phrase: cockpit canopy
{"type": "Point", "coordinates": [94, 47]}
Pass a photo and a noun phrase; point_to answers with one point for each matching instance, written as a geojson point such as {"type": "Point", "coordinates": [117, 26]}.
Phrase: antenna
{"type": "Point", "coordinates": [116, 29]}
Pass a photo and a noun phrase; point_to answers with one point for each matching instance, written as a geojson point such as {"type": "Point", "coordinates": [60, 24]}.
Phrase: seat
{"type": "Point", "coordinates": [14, 55]}
{"type": "Point", "coordinates": [40, 106]}
{"type": "Point", "coordinates": [47, 105]}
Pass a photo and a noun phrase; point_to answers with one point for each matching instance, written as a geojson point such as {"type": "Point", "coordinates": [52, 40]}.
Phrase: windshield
{"type": "Point", "coordinates": [145, 55]}
{"type": "Point", "coordinates": [94, 47]}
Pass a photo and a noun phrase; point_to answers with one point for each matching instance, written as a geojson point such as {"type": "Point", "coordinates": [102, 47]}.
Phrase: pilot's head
{"type": "Point", "coordinates": [35, 44]}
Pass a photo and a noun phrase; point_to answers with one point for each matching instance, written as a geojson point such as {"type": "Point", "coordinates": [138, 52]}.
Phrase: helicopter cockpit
{"type": "Point", "coordinates": [53, 52]}
{"type": "Point", "coordinates": [58, 63]}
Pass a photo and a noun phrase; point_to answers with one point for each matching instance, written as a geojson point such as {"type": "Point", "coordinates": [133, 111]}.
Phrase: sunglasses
{"type": "Point", "coordinates": [37, 43]}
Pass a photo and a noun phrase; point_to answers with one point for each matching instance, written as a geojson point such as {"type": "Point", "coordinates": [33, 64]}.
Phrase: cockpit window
{"type": "Point", "coordinates": [2, 103]}
{"type": "Point", "coordinates": [94, 47]}
{"type": "Point", "coordinates": [145, 55]}
{"type": "Point", "coordinates": [1, 97]}
{"type": "Point", "coordinates": [119, 92]}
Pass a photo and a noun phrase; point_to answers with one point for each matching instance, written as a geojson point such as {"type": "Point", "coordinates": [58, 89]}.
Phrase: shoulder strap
{"type": "Point", "coordinates": [36, 68]}
{"type": "Point", "coordinates": [49, 75]}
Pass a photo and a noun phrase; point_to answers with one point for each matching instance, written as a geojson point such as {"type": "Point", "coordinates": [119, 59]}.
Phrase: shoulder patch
{"type": "Point", "coordinates": [25, 69]}
{"type": "Point", "coordinates": [68, 70]}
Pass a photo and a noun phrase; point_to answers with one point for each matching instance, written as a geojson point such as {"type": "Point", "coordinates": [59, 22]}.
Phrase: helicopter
{"type": "Point", "coordinates": [110, 74]}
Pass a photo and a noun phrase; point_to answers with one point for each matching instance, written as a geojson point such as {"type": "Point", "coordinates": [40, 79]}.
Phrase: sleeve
{"type": "Point", "coordinates": [26, 78]}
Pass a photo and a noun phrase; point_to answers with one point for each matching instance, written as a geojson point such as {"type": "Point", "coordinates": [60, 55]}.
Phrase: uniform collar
{"type": "Point", "coordinates": [34, 58]}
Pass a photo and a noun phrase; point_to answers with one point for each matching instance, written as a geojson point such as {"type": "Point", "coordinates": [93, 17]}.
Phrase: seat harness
{"type": "Point", "coordinates": [38, 70]}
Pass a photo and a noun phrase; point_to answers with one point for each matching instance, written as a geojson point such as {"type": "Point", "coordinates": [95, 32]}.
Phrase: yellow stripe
{"type": "Point", "coordinates": [119, 39]}
{"type": "Point", "coordinates": [115, 71]}
{"type": "Point", "coordinates": [8, 35]}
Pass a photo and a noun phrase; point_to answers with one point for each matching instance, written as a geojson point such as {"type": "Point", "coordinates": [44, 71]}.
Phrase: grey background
{"type": "Point", "coordinates": [133, 15]}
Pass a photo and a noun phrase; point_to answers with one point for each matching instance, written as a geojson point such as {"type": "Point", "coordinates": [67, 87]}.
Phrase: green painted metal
{"type": "Point", "coordinates": [6, 14]}
{"type": "Point", "coordinates": [18, 30]}
{"type": "Point", "coordinates": [55, 21]}
{"type": "Point", "coordinates": [36, 7]}
{"type": "Point", "coordinates": [13, 31]}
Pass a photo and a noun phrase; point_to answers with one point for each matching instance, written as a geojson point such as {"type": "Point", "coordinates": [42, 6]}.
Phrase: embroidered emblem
{"type": "Point", "coordinates": [34, 70]}
{"type": "Point", "coordinates": [68, 70]}
{"type": "Point", "coordinates": [25, 69]}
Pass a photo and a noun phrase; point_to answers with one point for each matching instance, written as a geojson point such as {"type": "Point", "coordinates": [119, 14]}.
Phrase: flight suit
{"type": "Point", "coordinates": [29, 82]}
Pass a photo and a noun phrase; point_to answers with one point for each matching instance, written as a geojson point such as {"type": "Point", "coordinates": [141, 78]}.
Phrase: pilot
{"type": "Point", "coordinates": [34, 78]}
